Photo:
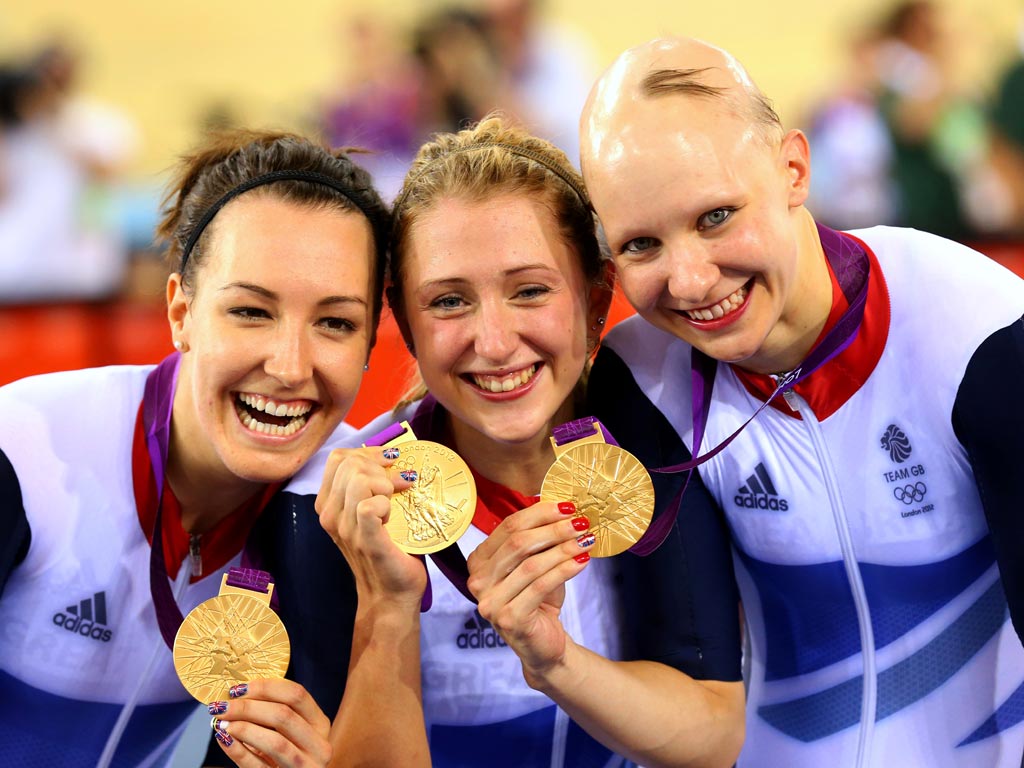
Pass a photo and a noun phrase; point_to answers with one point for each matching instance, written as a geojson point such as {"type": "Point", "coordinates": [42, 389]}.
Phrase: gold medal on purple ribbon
{"type": "Point", "coordinates": [605, 482]}
{"type": "Point", "coordinates": [439, 507]}
{"type": "Point", "coordinates": [232, 638]}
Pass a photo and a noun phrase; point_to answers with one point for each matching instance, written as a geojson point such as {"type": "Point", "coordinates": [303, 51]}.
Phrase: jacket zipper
{"type": "Point", "coordinates": [869, 691]}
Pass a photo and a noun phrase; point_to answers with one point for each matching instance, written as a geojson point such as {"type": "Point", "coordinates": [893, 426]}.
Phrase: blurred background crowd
{"type": "Point", "coordinates": [915, 113]}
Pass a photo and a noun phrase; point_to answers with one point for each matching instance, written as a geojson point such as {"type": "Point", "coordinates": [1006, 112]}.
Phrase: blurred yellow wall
{"type": "Point", "coordinates": [167, 64]}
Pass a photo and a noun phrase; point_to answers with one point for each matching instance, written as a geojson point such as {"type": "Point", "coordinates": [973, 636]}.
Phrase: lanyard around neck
{"type": "Point", "coordinates": [851, 266]}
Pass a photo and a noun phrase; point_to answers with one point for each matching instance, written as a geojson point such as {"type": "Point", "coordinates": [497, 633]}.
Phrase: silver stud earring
{"type": "Point", "coordinates": [600, 321]}
{"type": "Point", "coordinates": [366, 366]}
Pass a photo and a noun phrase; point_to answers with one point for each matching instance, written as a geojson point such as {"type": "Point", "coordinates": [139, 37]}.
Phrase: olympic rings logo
{"type": "Point", "coordinates": [910, 494]}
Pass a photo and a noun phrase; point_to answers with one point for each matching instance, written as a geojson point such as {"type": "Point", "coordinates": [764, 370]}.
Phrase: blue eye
{"type": "Point", "coordinates": [715, 218]}
{"type": "Point", "coordinates": [450, 301]}
{"type": "Point", "coordinates": [639, 245]}
{"type": "Point", "coordinates": [533, 292]}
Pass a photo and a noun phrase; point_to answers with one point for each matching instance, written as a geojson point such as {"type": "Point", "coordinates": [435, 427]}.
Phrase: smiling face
{"type": "Point", "coordinates": [498, 310]}
{"type": "Point", "coordinates": [277, 332]}
{"type": "Point", "coordinates": [705, 221]}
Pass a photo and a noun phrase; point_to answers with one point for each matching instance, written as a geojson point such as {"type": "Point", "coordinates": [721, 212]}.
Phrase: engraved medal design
{"type": "Point", "coordinates": [608, 485]}
{"type": "Point", "coordinates": [439, 507]}
{"type": "Point", "coordinates": [229, 639]}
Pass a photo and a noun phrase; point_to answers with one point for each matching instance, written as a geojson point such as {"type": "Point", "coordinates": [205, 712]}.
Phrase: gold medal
{"type": "Point", "coordinates": [607, 484]}
{"type": "Point", "coordinates": [439, 507]}
{"type": "Point", "coordinates": [233, 638]}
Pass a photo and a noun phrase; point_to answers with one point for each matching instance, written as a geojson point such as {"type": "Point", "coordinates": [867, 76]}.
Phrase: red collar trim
{"type": "Point", "coordinates": [218, 546]}
{"type": "Point", "coordinates": [829, 387]}
{"type": "Point", "coordinates": [495, 502]}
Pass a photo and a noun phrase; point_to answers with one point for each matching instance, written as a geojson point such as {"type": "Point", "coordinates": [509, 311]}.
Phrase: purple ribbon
{"type": "Point", "coordinates": [851, 266]}
{"type": "Point", "coordinates": [157, 404]}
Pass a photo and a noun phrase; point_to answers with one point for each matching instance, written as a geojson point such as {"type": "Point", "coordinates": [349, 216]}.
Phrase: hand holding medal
{"type": "Point", "coordinates": [232, 638]}
{"type": "Point", "coordinates": [605, 482]}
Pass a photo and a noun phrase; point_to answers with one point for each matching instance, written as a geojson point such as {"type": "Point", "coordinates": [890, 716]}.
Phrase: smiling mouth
{"type": "Point", "coordinates": [507, 383]}
{"type": "Point", "coordinates": [270, 417]}
{"type": "Point", "coordinates": [726, 306]}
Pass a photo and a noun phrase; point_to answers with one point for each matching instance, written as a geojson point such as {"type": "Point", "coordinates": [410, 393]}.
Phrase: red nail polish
{"type": "Point", "coordinates": [580, 523]}
{"type": "Point", "coordinates": [582, 557]}
{"type": "Point", "coordinates": [567, 508]}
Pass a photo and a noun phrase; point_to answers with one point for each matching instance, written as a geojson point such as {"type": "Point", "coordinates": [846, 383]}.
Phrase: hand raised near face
{"type": "Point", "coordinates": [519, 572]}
{"type": "Point", "coordinates": [354, 503]}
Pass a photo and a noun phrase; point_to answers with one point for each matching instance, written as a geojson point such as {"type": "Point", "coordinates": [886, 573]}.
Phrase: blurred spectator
{"type": "Point", "coordinates": [376, 104]}
{"type": "Point", "coordinates": [851, 185]}
{"type": "Point", "coordinates": [939, 137]}
{"type": "Point", "coordinates": [549, 71]}
{"type": "Point", "coordinates": [1008, 138]}
{"type": "Point", "coordinates": [59, 153]}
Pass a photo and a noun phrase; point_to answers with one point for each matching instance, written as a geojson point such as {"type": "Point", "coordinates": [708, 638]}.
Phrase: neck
{"type": "Point", "coordinates": [206, 490]}
{"type": "Point", "coordinates": [520, 466]}
{"type": "Point", "coordinates": [808, 308]}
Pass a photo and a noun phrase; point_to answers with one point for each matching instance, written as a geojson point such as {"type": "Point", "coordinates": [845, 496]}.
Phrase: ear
{"type": "Point", "coordinates": [795, 155]}
{"type": "Point", "coordinates": [177, 308]}
{"type": "Point", "coordinates": [600, 301]}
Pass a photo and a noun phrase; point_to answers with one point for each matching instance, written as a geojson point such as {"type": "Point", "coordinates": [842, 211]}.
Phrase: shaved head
{"type": "Point", "coordinates": [666, 67]}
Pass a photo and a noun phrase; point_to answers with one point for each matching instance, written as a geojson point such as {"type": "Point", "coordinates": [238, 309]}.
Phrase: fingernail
{"type": "Point", "coordinates": [586, 540]}
{"type": "Point", "coordinates": [567, 508]}
{"type": "Point", "coordinates": [391, 453]}
{"type": "Point", "coordinates": [217, 707]}
{"type": "Point", "coordinates": [580, 523]}
{"type": "Point", "coordinates": [237, 691]}
{"type": "Point", "coordinates": [582, 557]}
{"type": "Point", "coordinates": [409, 475]}
{"type": "Point", "coordinates": [223, 738]}
{"type": "Point", "coordinates": [219, 725]}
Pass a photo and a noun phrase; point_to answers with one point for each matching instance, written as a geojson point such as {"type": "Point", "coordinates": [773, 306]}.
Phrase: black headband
{"type": "Point", "coordinates": [530, 154]}
{"type": "Point", "coordinates": [267, 178]}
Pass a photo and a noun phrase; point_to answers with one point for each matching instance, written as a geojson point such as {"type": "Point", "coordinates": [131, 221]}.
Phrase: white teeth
{"type": "Point", "coordinates": [507, 383]}
{"type": "Point", "coordinates": [722, 308]}
{"type": "Point", "coordinates": [272, 407]}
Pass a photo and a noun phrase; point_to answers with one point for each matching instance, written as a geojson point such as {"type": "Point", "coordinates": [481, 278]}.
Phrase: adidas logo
{"type": "Point", "coordinates": [87, 619]}
{"type": "Point", "coordinates": [760, 493]}
{"type": "Point", "coordinates": [479, 634]}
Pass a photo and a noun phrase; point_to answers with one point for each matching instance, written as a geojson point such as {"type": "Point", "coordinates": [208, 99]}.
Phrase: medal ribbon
{"type": "Point", "coordinates": [157, 403]}
{"type": "Point", "coordinates": [851, 266]}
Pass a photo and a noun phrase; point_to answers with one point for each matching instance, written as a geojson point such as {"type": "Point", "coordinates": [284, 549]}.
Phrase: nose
{"type": "Point", "coordinates": [692, 274]}
{"type": "Point", "coordinates": [495, 332]}
{"type": "Point", "coordinates": [289, 358]}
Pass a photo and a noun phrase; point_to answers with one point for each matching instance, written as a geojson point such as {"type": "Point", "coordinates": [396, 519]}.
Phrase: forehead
{"type": "Point", "coordinates": [690, 148]}
{"type": "Point", "coordinates": [264, 235]}
{"type": "Point", "coordinates": [460, 238]}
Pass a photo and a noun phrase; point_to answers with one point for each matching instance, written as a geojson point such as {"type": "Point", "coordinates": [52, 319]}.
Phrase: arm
{"type": "Point", "coordinates": [988, 418]}
{"type": "Point", "coordinates": [13, 521]}
{"type": "Point", "coordinates": [380, 721]}
{"type": "Point", "coordinates": [645, 710]}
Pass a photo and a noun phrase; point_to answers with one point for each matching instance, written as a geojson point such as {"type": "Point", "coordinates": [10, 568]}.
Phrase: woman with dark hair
{"type": "Point", "coordinates": [127, 491]}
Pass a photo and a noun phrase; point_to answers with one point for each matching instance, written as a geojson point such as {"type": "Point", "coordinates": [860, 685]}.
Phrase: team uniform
{"type": "Point", "coordinates": [879, 631]}
{"type": "Point", "coordinates": [85, 675]}
{"type": "Point", "coordinates": [477, 707]}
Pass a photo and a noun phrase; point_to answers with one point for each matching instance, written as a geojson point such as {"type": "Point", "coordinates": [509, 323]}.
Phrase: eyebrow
{"type": "Point", "coordinates": [455, 280]}
{"type": "Point", "coordinates": [268, 294]}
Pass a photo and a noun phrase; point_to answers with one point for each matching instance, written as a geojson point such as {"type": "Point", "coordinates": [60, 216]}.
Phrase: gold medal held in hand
{"type": "Point", "coordinates": [439, 506]}
{"type": "Point", "coordinates": [232, 638]}
{"type": "Point", "coordinates": [605, 482]}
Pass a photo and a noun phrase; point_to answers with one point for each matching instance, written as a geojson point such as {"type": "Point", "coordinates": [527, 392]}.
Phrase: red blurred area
{"type": "Point", "coordinates": [56, 337]}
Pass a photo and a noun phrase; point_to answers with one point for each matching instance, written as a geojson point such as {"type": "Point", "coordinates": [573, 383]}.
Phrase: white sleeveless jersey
{"type": "Point", "coordinates": [879, 632]}
{"type": "Point", "coordinates": [82, 662]}
{"type": "Point", "coordinates": [478, 708]}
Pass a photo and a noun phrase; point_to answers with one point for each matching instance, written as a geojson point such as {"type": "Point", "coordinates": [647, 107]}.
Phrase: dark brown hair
{"type": "Point", "coordinates": [227, 159]}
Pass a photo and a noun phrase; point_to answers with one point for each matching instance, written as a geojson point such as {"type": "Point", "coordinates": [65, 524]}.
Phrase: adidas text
{"type": "Point", "coordinates": [761, 501]}
{"type": "Point", "coordinates": [481, 638]}
{"type": "Point", "coordinates": [84, 628]}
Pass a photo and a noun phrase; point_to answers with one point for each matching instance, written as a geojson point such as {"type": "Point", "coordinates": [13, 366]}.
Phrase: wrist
{"type": "Point", "coordinates": [557, 675]}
